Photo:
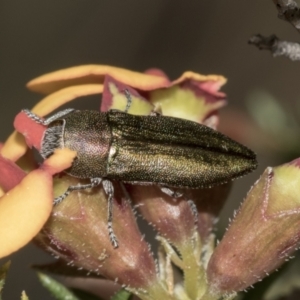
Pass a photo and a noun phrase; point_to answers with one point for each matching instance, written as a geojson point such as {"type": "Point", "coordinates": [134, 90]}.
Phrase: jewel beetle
{"type": "Point", "coordinates": [155, 149]}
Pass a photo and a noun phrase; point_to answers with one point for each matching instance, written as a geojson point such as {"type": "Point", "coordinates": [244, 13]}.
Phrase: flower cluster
{"type": "Point", "coordinates": [262, 235]}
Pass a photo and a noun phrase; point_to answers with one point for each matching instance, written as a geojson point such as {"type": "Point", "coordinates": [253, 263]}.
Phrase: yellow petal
{"type": "Point", "coordinates": [221, 80]}
{"type": "Point", "coordinates": [183, 103]}
{"type": "Point", "coordinates": [24, 210]}
{"type": "Point", "coordinates": [57, 99]}
{"type": "Point", "coordinates": [54, 81]}
{"type": "Point", "coordinates": [14, 147]}
{"type": "Point", "coordinates": [61, 160]}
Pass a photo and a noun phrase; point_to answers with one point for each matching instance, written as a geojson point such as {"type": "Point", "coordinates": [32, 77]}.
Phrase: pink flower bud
{"type": "Point", "coordinates": [77, 232]}
{"type": "Point", "coordinates": [263, 234]}
{"type": "Point", "coordinates": [172, 218]}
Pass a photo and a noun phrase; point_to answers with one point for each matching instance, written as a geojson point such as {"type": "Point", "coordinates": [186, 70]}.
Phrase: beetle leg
{"type": "Point", "coordinates": [175, 194]}
{"type": "Point", "coordinates": [170, 192]}
{"type": "Point", "coordinates": [109, 190]}
{"type": "Point", "coordinates": [129, 100]}
{"type": "Point", "coordinates": [194, 210]}
{"type": "Point", "coordinates": [157, 111]}
{"type": "Point", "coordinates": [47, 121]}
{"type": "Point", "coordinates": [94, 182]}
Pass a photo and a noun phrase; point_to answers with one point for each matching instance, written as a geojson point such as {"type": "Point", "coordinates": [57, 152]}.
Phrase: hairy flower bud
{"type": "Point", "coordinates": [184, 225]}
{"type": "Point", "coordinates": [172, 218]}
{"type": "Point", "coordinates": [77, 232]}
{"type": "Point", "coordinates": [263, 234]}
{"type": "Point", "coordinates": [177, 219]}
{"type": "Point", "coordinates": [209, 202]}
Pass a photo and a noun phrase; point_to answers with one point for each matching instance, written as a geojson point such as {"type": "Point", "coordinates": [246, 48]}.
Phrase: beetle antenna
{"type": "Point", "coordinates": [33, 116]}
{"type": "Point", "coordinates": [129, 100]}
{"type": "Point", "coordinates": [58, 115]}
{"type": "Point", "coordinates": [170, 192]}
{"type": "Point", "coordinates": [47, 121]}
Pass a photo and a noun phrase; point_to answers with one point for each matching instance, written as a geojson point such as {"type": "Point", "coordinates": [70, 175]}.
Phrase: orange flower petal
{"type": "Point", "coordinates": [14, 147]}
{"type": "Point", "coordinates": [157, 72]}
{"type": "Point", "coordinates": [10, 174]}
{"type": "Point", "coordinates": [24, 210]}
{"type": "Point", "coordinates": [217, 80]}
{"type": "Point", "coordinates": [61, 160]}
{"type": "Point", "coordinates": [54, 81]}
{"type": "Point", "coordinates": [57, 99]}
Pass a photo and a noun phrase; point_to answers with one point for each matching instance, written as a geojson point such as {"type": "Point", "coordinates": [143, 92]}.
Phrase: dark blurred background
{"type": "Point", "coordinates": [206, 36]}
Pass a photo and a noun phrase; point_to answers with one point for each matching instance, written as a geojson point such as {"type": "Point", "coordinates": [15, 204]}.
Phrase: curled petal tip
{"type": "Point", "coordinates": [61, 160]}
{"type": "Point", "coordinates": [24, 210]}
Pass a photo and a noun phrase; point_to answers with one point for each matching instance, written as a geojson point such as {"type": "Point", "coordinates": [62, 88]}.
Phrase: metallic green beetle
{"type": "Point", "coordinates": [166, 151]}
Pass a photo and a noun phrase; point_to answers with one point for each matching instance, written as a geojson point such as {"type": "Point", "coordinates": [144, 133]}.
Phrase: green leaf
{"type": "Point", "coordinates": [85, 295]}
{"type": "Point", "coordinates": [57, 290]}
{"type": "Point", "coordinates": [122, 295]}
{"type": "Point", "coordinates": [24, 296]}
{"type": "Point", "coordinates": [3, 271]}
